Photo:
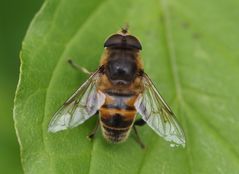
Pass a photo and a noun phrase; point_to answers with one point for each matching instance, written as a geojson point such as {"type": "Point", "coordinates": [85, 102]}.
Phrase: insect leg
{"type": "Point", "coordinates": [139, 122]}
{"type": "Point", "coordinates": [138, 140]}
{"type": "Point", "coordinates": [78, 67]}
{"type": "Point", "coordinates": [91, 135]}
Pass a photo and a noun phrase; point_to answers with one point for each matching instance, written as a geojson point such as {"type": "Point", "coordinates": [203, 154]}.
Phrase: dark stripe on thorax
{"type": "Point", "coordinates": [117, 94]}
{"type": "Point", "coordinates": [119, 106]}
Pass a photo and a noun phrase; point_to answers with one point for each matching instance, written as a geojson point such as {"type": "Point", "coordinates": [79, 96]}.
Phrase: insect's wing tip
{"type": "Point", "coordinates": [51, 130]}
{"type": "Point", "coordinates": [55, 128]}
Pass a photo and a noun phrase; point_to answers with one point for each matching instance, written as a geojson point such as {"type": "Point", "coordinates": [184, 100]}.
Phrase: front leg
{"type": "Point", "coordinates": [78, 67]}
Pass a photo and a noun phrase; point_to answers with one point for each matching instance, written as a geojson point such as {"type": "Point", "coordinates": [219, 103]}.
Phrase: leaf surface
{"type": "Point", "coordinates": [190, 52]}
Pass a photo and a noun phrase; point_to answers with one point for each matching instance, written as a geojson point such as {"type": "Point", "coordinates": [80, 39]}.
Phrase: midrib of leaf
{"type": "Point", "coordinates": [166, 23]}
{"type": "Point", "coordinates": [169, 45]}
{"type": "Point", "coordinates": [55, 69]}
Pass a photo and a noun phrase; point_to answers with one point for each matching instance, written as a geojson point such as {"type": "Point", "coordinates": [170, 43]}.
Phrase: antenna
{"type": "Point", "coordinates": [125, 28]}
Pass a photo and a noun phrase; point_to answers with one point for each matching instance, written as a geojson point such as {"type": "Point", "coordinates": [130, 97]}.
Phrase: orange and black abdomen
{"type": "Point", "coordinates": [117, 116]}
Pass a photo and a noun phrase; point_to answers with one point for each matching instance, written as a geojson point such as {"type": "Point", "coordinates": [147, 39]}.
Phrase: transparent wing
{"type": "Point", "coordinates": [83, 104]}
{"type": "Point", "coordinates": [157, 114]}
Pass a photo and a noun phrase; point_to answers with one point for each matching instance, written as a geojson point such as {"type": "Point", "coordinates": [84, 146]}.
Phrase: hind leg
{"type": "Point", "coordinates": [91, 135]}
{"type": "Point", "coordinates": [139, 122]}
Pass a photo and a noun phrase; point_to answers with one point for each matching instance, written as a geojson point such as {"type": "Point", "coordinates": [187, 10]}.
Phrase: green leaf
{"type": "Point", "coordinates": [189, 50]}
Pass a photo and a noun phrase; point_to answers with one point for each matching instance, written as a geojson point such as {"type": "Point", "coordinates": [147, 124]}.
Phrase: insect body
{"type": "Point", "coordinates": [119, 89]}
{"type": "Point", "coordinates": [121, 85]}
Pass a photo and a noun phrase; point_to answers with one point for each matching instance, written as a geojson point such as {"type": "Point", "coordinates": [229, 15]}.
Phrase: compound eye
{"type": "Point", "coordinates": [121, 41]}
{"type": "Point", "coordinates": [114, 40]}
{"type": "Point", "coordinates": [133, 42]}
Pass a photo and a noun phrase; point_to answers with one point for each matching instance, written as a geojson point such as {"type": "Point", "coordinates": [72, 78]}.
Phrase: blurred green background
{"type": "Point", "coordinates": [15, 16]}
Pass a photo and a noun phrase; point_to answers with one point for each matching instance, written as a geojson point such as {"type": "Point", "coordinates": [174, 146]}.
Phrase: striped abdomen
{"type": "Point", "coordinates": [117, 116]}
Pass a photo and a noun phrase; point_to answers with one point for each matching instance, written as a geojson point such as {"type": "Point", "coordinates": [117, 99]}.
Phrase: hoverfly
{"type": "Point", "coordinates": [118, 90]}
